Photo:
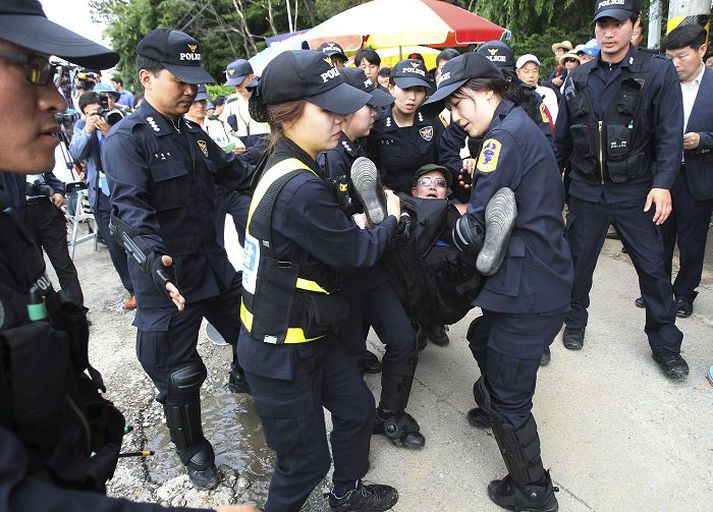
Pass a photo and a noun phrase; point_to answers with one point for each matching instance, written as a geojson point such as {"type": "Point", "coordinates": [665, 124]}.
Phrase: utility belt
{"type": "Point", "coordinates": [617, 148]}
{"type": "Point", "coordinates": [283, 302]}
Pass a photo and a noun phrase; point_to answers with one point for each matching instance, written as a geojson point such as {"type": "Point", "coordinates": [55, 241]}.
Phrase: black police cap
{"type": "Point", "coordinates": [618, 9]}
{"type": "Point", "coordinates": [178, 52]}
{"type": "Point", "coordinates": [410, 73]}
{"type": "Point", "coordinates": [498, 53]}
{"type": "Point", "coordinates": [455, 73]}
{"type": "Point", "coordinates": [24, 23]}
{"type": "Point", "coordinates": [309, 75]}
{"type": "Point", "coordinates": [237, 71]}
{"type": "Point", "coordinates": [356, 78]}
{"type": "Point", "coordinates": [332, 50]}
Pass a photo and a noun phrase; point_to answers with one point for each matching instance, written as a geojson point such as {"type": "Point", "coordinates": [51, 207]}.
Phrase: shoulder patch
{"type": "Point", "coordinates": [543, 113]}
{"type": "Point", "coordinates": [489, 155]}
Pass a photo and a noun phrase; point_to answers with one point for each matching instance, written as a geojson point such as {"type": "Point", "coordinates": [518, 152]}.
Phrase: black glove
{"type": "Point", "coordinates": [159, 273]}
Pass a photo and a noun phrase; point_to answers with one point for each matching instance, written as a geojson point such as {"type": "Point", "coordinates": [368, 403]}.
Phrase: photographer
{"type": "Point", "coordinates": [60, 439]}
{"type": "Point", "coordinates": [89, 136]}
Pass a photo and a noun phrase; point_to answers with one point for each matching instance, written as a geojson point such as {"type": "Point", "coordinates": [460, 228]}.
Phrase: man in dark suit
{"type": "Point", "coordinates": [692, 192]}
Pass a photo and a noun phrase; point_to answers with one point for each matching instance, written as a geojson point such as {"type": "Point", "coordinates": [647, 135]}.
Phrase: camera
{"type": "Point", "coordinates": [38, 188]}
{"type": "Point", "coordinates": [110, 115]}
{"type": "Point", "coordinates": [67, 119]}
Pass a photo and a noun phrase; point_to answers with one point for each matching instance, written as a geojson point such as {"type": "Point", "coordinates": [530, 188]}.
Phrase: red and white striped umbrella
{"type": "Point", "coordinates": [389, 23]}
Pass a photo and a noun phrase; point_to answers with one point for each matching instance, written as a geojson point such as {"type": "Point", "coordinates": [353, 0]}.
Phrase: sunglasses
{"type": "Point", "coordinates": [39, 70]}
{"type": "Point", "coordinates": [428, 181]}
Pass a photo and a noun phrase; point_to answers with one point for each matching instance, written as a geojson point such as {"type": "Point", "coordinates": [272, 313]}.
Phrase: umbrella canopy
{"type": "Point", "coordinates": [389, 23]}
{"type": "Point", "coordinates": [390, 56]}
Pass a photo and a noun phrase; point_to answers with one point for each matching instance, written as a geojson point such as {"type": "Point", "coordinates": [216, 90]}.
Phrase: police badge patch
{"type": "Point", "coordinates": [204, 147]}
{"type": "Point", "coordinates": [426, 133]}
{"type": "Point", "coordinates": [488, 159]}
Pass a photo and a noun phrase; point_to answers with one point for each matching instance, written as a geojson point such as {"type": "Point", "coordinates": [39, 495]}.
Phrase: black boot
{"type": "Point", "coordinates": [528, 486]}
{"type": "Point", "coordinates": [391, 418]}
{"type": "Point", "coordinates": [237, 383]}
{"type": "Point", "coordinates": [367, 185]}
{"type": "Point", "coordinates": [438, 335]}
{"type": "Point", "coordinates": [478, 418]}
{"type": "Point", "coordinates": [369, 362]}
{"type": "Point", "coordinates": [183, 418]}
{"type": "Point", "coordinates": [365, 498]}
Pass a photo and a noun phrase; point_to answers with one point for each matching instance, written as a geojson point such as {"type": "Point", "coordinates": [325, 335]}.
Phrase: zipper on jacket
{"type": "Point", "coordinates": [601, 153]}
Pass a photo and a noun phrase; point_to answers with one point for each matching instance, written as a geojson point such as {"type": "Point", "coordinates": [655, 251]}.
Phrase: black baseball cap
{"type": "Point", "coordinates": [178, 52]}
{"type": "Point", "coordinates": [202, 93]}
{"type": "Point", "coordinates": [356, 78]}
{"type": "Point", "coordinates": [332, 50]}
{"type": "Point", "coordinates": [24, 23]}
{"type": "Point", "coordinates": [237, 71]}
{"type": "Point", "coordinates": [498, 53]}
{"type": "Point", "coordinates": [455, 73]}
{"type": "Point", "coordinates": [309, 75]}
{"type": "Point", "coordinates": [618, 9]}
{"type": "Point", "coordinates": [411, 73]}
{"type": "Point", "coordinates": [425, 169]}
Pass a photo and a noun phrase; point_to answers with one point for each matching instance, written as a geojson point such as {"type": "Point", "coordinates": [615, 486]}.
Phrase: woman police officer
{"type": "Point", "coordinates": [297, 238]}
{"type": "Point", "coordinates": [372, 299]}
{"type": "Point", "coordinates": [524, 302]}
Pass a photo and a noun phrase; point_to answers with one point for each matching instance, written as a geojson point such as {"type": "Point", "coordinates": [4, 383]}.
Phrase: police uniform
{"type": "Point", "coordinates": [398, 151]}
{"type": "Point", "coordinates": [524, 302]}
{"type": "Point", "coordinates": [297, 236]}
{"type": "Point", "coordinates": [237, 113]}
{"type": "Point", "coordinates": [372, 301]}
{"type": "Point", "coordinates": [162, 175]}
{"type": "Point", "coordinates": [618, 135]}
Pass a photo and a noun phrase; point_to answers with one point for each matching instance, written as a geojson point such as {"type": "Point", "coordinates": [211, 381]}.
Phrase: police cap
{"type": "Point", "coordinates": [202, 93]}
{"type": "Point", "coordinates": [309, 75]}
{"type": "Point", "coordinates": [618, 9]}
{"type": "Point", "coordinates": [178, 52]}
{"type": "Point", "coordinates": [410, 73]}
{"type": "Point", "coordinates": [237, 71]}
{"type": "Point", "coordinates": [498, 53]}
{"type": "Point", "coordinates": [23, 22]}
{"type": "Point", "coordinates": [356, 78]}
{"type": "Point", "coordinates": [332, 50]}
{"type": "Point", "coordinates": [455, 73]}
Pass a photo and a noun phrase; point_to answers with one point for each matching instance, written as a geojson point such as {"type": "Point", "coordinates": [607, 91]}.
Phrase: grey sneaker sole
{"type": "Point", "coordinates": [367, 185]}
{"type": "Point", "coordinates": [500, 215]}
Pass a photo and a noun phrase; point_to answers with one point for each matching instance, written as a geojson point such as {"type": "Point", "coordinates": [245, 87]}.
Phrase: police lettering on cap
{"type": "Point", "coordinates": [498, 53]}
{"type": "Point", "coordinates": [309, 75]}
{"type": "Point", "coordinates": [410, 73]}
{"type": "Point", "coordinates": [23, 22]}
{"type": "Point", "coordinates": [356, 78]}
{"type": "Point", "coordinates": [178, 52]}
{"type": "Point", "coordinates": [332, 50]}
{"type": "Point", "coordinates": [237, 71]}
{"type": "Point", "coordinates": [455, 73]}
{"type": "Point", "coordinates": [618, 9]}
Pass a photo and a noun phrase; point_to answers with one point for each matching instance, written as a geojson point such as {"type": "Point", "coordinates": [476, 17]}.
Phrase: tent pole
{"type": "Point", "coordinates": [401, 55]}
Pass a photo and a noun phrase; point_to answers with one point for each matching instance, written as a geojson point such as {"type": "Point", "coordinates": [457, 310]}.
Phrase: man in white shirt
{"type": "Point", "coordinates": [528, 70]}
{"type": "Point", "coordinates": [692, 192]}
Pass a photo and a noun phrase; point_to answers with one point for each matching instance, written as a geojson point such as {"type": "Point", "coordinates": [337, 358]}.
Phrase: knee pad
{"type": "Point", "coordinates": [185, 382]}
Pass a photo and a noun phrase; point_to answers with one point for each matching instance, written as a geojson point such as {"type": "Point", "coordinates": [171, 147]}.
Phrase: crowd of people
{"type": "Point", "coordinates": [363, 197]}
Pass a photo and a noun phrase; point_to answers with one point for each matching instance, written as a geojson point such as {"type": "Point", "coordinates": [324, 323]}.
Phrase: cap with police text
{"type": "Point", "coordinates": [498, 53]}
{"type": "Point", "coordinates": [455, 73]}
{"type": "Point", "coordinates": [410, 73]}
{"type": "Point", "coordinates": [332, 50]}
{"type": "Point", "coordinates": [23, 22]}
{"type": "Point", "coordinates": [425, 169]}
{"type": "Point", "coordinates": [524, 59]}
{"type": "Point", "coordinates": [618, 9]}
{"type": "Point", "coordinates": [178, 52]}
{"type": "Point", "coordinates": [237, 71]}
{"type": "Point", "coordinates": [309, 75]}
{"type": "Point", "coordinates": [355, 77]}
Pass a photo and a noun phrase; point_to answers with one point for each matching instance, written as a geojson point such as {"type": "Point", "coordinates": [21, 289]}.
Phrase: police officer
{"type": "Point", "coordinates": [403, 138]}
{"type": "Point", "coordinates": [297, 237]}
{"type": "Point", "coordinates": [335, 53]}
{"type": "Point", "coordinates": [525, 300]}
{"type": "Point", "coordinates": [162, 171]}
{"type": "Point", "coordinates": [618, 135]}
{"type": "Point", "coordinates": [236, 114]}
{"type": "Point", "coordinates": [48, 459]}
{"type": "Point", "coordinates": [372, 300]}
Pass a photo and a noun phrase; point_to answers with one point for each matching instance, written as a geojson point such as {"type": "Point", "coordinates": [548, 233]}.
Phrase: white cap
{"type": "Point", "coordinates": [528, 57]}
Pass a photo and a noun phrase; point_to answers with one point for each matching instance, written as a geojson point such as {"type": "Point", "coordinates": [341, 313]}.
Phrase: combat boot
{"type": "Point", "coordinates": [237, 383]}
{"type": "Point", "coordinates": [533, 498]}
{"type": "Point", "coordinates": [401, 429]}
{"type": "Point", "coordinates": [365, 498]}
{"type": "Point", "coordinates": [391, 418]}
{"type": "Point", "coordinates": [367, 186]}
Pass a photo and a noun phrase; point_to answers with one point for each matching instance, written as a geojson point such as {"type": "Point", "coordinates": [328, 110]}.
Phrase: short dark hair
{"type": "Point", "coordinates": [87, 99]}
{"type": "Point", "coordinates": [118, 80]}
{"type": "Point", "coordinates": [447, 54]}
{"type": "Point", "coordinates": [686, 35]}
{"type": "Point", "coordinates": [148, 64]}
{"type": "Point", "coordinates": [385, 72]}
{"type": "Point", "coordinates": [368, 54]}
